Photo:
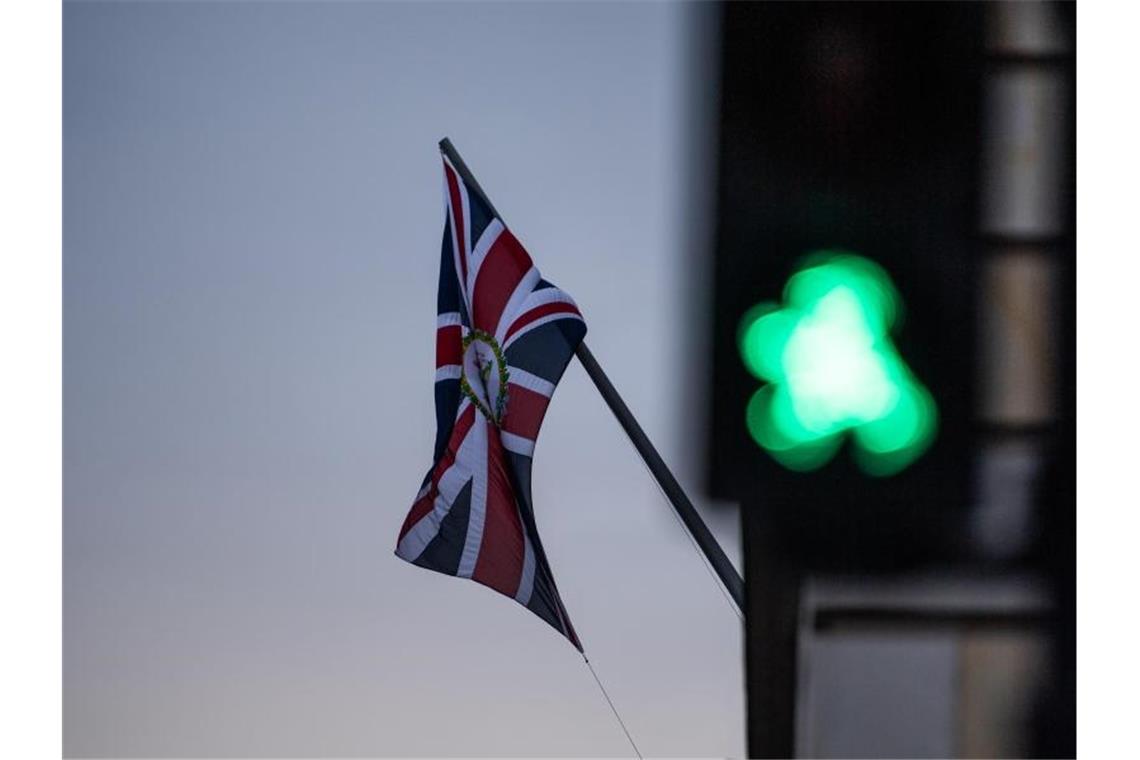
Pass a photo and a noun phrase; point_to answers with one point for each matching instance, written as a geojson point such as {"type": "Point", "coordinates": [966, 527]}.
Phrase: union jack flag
{"type": "Point", "coordinates": [504, 337]}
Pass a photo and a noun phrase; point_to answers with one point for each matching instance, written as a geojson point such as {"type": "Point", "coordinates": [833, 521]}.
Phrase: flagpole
{"type": "Point", "coordinates": [691, 519]}
{"type": "Point", "coordinates": [700, 532]}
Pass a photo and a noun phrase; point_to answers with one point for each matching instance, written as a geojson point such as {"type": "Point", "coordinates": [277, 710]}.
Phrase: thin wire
{"type": "Point", "coordinates": [621, 722]}
{"type": "Point", "coordinates": [705, 561]}
{"type": "Point", "coordinates": [692, 541]}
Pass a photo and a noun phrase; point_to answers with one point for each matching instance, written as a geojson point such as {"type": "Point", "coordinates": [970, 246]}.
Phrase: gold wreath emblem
{"type": "Point", "coordinates": [504, 375]}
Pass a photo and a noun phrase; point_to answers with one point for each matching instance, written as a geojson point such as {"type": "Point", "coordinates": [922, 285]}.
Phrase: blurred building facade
{"type": "Point", "coordinates": [928, 611]}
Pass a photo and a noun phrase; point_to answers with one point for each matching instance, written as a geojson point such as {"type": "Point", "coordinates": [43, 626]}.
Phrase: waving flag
{"type": "Point", "coordinates": [503, 339]}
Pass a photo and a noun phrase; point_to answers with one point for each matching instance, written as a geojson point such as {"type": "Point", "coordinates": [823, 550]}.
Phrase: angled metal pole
{"type": "Point", "coordinates": [700, 532]}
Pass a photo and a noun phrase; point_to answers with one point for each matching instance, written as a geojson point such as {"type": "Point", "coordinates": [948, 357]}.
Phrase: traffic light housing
{"type": "Point", "coordinates": [843, 368]}
{"type": "Point", "coordinates": [831, 371]}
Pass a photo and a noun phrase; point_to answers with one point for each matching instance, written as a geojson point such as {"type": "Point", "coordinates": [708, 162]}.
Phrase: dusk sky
{"type": "Point", "coordinates": [252, 224]}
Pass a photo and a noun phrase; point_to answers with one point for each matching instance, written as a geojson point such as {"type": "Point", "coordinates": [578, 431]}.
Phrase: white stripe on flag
{"type": "Point", "coordinates": [450, 484]}
{"type": "Point", "coordinates": [526, 579]}
{"type": "Point", "coordinates": [416, 540]}
{"type": "Point", "coordinates": [448, 319]}
{"type": "Point", "coordinates": [545, 296]}
{"type": "Point", "coordinates": [517, 443]}
{"type": "Point", "coordinates": [486, 240]}
{"type": "Point", "coordinates": [514, 304]}
{"type": "Point", "coordinates": [531, 382]}
{"type": "Point", "coordinates": [457, 248]}
{"type": "Point", "coordinates": [449, 372]}
{"type": "Point", "coordinates": [478, 458]}
{"type": "Point", "coordinates": [539, 323]}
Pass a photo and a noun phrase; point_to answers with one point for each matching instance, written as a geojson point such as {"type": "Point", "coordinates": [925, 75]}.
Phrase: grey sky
{"type": "Point", "coordinates": [252, 222]}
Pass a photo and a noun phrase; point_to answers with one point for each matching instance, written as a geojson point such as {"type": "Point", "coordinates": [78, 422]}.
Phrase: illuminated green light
{"type": "Point", "coordinates": [831, 368]}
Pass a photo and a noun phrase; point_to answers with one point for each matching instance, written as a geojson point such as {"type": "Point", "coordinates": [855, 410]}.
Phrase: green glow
{"type": "Point", "coordinates": [831, 368]}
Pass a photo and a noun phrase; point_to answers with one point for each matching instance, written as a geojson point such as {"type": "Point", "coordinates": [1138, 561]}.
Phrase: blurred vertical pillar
{"type": "Point", "coordinates": [772, 608]}
{"type": "Point", "coordinates": [1026, 505]}
{"type": "Point", "coordinates": [1024, 227]}
{"type": "Point", "coordinates": [843, 127]}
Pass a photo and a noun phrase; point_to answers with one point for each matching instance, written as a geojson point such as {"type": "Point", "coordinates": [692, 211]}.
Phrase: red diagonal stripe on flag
{"type": "Point", "coordinates": [525, 410]}
{"type": "Point", "coordinates": [502, 552]}
{"type": "Point", "coordinates": [422, 506]}
{"type": "Point", "coordinates": [538, 312]}
{"type": "Point", "coordinates": [457, 215]}
{"type": "Point", "coordinates": [499, 275]}
{"type": "Point", "coordinates": [425, 504]}
{"type": "Point", "coordinates": [448, 346]}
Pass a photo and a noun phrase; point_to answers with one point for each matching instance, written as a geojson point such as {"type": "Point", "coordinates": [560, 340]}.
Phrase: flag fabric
{"type": "Point", "coordinates": [504, 337]}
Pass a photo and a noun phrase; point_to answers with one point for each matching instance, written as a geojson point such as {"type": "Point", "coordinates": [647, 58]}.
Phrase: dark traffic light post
{"type": "Point", "coordinates": [846, 251]}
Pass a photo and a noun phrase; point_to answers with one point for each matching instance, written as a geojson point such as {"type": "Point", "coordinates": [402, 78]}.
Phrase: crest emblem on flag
{"type": "Point", "coordinates": [504, 337]}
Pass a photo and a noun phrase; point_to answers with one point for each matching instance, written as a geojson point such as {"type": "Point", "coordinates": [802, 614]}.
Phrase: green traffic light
{"type": "Point", "coordinates": [832, 369]}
